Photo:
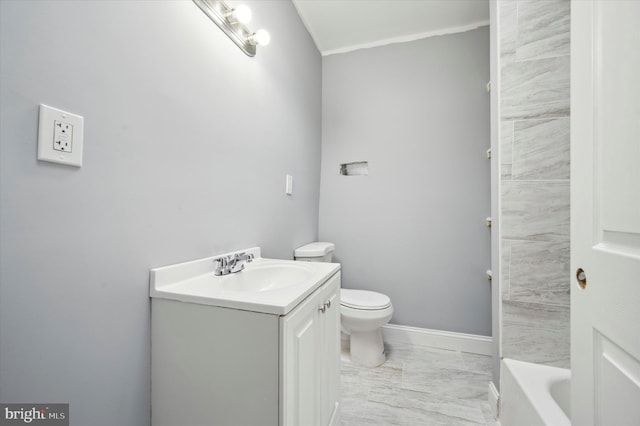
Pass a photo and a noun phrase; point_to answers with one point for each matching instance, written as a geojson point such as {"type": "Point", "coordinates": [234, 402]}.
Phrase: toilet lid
{"type": "Point", "coordinates": [363, 299]}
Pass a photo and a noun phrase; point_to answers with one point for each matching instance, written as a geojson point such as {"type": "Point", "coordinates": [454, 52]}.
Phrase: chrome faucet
{"type": "Point", "coordinates": [233, 263]}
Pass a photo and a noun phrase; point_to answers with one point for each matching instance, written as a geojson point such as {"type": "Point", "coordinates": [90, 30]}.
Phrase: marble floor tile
{"type": "Point", "coordinates": [550, 317]}
{"type": "Point", "coordinates": [508, 16]}
{"type": "Point", "coordinates": [462, 384]}
{"type": "Point", "coordinates": [540, 272]}
{"type": "Point", "coordinates": [401, 352]}
{"type": "Point", "coordinates": [541, 149]}
{"type": "Point", "coordinates": [505, 284]}
{"type": "Point", "coordinates": [506, 149]}
{"type": "Point", "coordinates": [385, 375]}
{"type": "Point", "coordinates": [535, 89]}
{"type": "Point", "coordinates": [543, 29]}
{"type": "Point", "coordinates": [441, 358]}
{"type": "Point", "coordinates": [535, 210]}
{"type": "Point", "coordinates": [408, 407]}
{"type": "Point", "coordinates": [418, 386]}
{"type": "Point", "coordinates": [536, 333]}
{"type": "Point", "coordinates": [540, 346]}
{"type": "Point", "coordinates": [488, 415]}
{"type": "Point", "coordinates": [476, 362]}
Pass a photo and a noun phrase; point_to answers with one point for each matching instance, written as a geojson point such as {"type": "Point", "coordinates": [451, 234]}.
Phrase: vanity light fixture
{"type": "Point", "coordinates": [240, 14]}
{"type": "Point", "coordinates": [260, 37]}
{"type": "Point", "coordinates": [231, 21]}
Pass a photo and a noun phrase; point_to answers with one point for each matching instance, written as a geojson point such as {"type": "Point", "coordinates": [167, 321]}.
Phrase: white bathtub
{"type": "Point", "coordinates": [534, 394]}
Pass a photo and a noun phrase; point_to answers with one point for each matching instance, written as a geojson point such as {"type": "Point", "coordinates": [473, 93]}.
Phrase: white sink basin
{"type": "Point", "coordinates": [265, 285]}
{"type": "Point", "coordinates": [266, 277]}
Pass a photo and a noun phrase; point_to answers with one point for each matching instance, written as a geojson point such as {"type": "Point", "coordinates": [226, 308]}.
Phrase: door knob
{"type": "Point", "coordinates": [581, 277]}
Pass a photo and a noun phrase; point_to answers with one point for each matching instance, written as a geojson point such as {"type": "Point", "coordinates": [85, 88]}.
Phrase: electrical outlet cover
{"type": "Point", "coordinates": [60, 136]}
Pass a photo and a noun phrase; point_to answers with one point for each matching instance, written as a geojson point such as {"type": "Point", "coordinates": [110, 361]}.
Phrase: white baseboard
{"type": "Point", "coordinates": [494, 400]}
{"type": "Point", "coordinates": [462, 342]}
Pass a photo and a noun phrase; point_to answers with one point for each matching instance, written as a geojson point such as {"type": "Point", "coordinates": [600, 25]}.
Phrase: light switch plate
{"type": "Point", "coordinates": [289, 185]}
{"type": "Point", "coordinates": [60, 136]}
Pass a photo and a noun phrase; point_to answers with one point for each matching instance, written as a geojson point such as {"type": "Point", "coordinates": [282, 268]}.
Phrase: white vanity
{"type": "Point", "coordinates": [255, 347]}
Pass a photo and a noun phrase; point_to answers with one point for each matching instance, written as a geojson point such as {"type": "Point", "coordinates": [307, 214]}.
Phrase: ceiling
{"type": "Point", "coordinates": [343, 25]}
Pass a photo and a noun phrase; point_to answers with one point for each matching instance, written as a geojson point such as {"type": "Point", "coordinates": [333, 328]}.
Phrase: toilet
{"type": "Point", "coordinates": [362, 312]}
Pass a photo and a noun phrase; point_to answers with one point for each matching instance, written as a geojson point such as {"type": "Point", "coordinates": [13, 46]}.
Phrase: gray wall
{"type": "Point", "coordinates": [414, 228]}
{"type": "Point", "coordinates": [187, 143]}
{"type": "Point", "coordinates": [534, 195]}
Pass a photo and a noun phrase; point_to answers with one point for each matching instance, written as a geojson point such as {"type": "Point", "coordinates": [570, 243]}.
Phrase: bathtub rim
{"type": "Point", "coordinates": [534, 381]}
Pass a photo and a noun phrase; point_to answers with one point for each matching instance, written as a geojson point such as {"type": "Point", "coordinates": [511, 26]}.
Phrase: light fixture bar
{"type": "Point", "coordinates": [217, 11]}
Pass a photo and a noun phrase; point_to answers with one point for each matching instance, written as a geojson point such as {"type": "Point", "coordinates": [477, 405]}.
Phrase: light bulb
{"type": "Point", "coordinates": [260, 37]}
{"type": "Point", "coordinates": [242, 14]}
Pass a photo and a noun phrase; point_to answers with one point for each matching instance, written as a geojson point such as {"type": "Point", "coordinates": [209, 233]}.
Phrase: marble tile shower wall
{"type": "Point", "coordinates": [534, 152]}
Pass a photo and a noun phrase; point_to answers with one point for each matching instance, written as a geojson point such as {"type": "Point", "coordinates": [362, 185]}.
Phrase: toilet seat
{"type": "Point", "coordinates": [364, 299]}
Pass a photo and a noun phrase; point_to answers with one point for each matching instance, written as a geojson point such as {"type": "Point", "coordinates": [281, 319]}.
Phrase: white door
{"type": "Point", "coordinates": [605, 212]}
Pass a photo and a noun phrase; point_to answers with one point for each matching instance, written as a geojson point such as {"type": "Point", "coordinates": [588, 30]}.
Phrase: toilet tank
{"type": "Point", "coordinates": [315, 252]}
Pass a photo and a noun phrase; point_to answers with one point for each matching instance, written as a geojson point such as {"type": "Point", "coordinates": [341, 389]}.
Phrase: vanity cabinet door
{"type": "Point", "coordinates": [300, 363]}
{"type": "Point", "coordinates": [310, 361]}
{"type": "Point", "coordinates": [330, 358]}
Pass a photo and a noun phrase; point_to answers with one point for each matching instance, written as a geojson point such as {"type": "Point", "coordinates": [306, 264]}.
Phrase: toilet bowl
{"type": "Point", "coordinates": [362, 312]}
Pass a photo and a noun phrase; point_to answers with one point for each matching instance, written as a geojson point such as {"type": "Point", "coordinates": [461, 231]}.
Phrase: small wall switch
{"type": "Point", "coordinates": [60, 136]}
{"type": "Point", "coordinates": [289, 185]}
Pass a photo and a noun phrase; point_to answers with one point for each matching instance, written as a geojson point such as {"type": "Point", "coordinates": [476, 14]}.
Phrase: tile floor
{"type": "Point", "coordinates": [418, 385]}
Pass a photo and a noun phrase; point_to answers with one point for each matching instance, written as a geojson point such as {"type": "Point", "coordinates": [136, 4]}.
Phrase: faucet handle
{"type": "Point", "coordinates": [232, 263]}
{"type": "Point", "coordinates": [244, 256]}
